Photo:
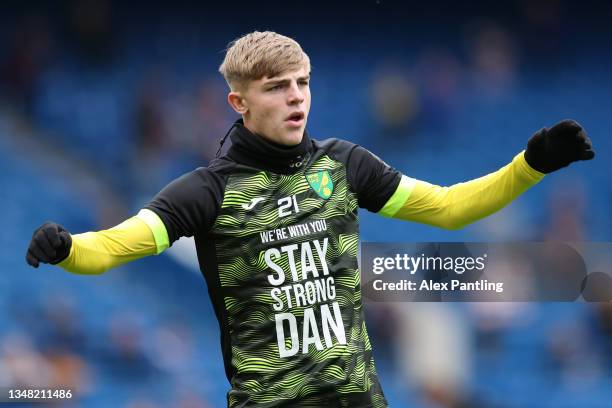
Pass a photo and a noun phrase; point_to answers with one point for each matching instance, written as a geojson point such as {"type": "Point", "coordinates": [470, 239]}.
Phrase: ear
{"type": "Point", "coordinates": [237, 102]}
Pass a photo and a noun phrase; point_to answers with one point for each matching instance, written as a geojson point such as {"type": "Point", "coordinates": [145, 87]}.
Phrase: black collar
{"type": "Point", "coordinates": [255, 151]}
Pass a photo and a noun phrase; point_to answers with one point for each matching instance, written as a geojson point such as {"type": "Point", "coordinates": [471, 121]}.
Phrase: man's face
{"type": "Point", "coordinates": [277, 108]}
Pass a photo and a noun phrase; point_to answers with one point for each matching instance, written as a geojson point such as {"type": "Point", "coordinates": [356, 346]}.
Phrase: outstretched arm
{"type": "Point", "coordinates": [458, 205]}
{"type": "Point", "coordinates": [96, 252]}
{"type": "Point", "coordinates": [185, 206]}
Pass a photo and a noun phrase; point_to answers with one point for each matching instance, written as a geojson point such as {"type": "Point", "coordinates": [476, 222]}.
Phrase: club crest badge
{"type": "Point", "coordinates": [322, 183]}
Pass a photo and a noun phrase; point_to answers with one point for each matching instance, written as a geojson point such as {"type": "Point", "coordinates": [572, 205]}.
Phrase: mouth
{"type": "Point", "coordinates": [296, 119]}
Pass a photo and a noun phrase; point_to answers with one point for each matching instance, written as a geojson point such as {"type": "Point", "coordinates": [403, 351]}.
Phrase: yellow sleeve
{"type": "Point", "coordinates": [96, 252]}
{"type": "Point", "coordinates": [463, 203]}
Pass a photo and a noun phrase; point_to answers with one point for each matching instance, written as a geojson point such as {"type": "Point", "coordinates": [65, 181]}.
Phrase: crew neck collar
{"type": "Point", "coordinates": [254, 150]}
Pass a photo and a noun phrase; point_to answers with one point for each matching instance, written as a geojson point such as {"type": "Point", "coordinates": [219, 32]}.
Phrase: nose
{"type": "Point", "coordinates": [296, 95]}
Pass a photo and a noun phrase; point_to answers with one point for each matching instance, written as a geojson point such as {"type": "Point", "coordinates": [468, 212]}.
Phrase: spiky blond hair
{"type": "Point", "coordinates": [260, 54]}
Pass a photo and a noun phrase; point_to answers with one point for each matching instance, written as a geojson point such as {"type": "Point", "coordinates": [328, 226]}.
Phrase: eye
{"type": "Point", "coordinates": [275, 87]}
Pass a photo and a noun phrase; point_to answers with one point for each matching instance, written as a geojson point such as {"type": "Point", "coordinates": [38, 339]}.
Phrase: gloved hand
{"type": "Point", "coordinates": [551, 149]}
{"type": "Point", "coordinates": [50, 244]}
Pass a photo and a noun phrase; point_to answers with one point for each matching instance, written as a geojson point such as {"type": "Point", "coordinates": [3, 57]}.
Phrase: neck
{"type": "Point", "coordinates": [257, 151]}
{"type": "Point", "coordinates": [249, 126]}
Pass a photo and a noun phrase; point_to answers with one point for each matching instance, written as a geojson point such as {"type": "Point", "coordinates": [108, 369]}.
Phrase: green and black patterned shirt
{"type": "Point", "coordinates": [276, 230]}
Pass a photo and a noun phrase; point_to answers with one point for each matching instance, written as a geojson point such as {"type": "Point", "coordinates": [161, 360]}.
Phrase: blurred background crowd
{"type": "Point", "coordinates": [104, 102]}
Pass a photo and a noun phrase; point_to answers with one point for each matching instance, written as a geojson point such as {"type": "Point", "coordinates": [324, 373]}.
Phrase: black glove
{"type": "Point", "coordinates": [551, 149]}
{"type": "Point", "coordinates": [50, 244]}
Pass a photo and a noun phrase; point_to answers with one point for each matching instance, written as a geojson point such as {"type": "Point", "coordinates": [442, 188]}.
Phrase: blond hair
{"type": "Point", "coordinates": [260, 54]}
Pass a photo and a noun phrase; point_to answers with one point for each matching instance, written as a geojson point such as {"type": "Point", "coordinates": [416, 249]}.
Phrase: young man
{"type": "Point", "coordinates": [276, 230]}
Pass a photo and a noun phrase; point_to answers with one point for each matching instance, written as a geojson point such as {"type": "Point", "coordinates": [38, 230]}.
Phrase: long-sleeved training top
{"type": "Point", "coordinates": [276, 232]}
